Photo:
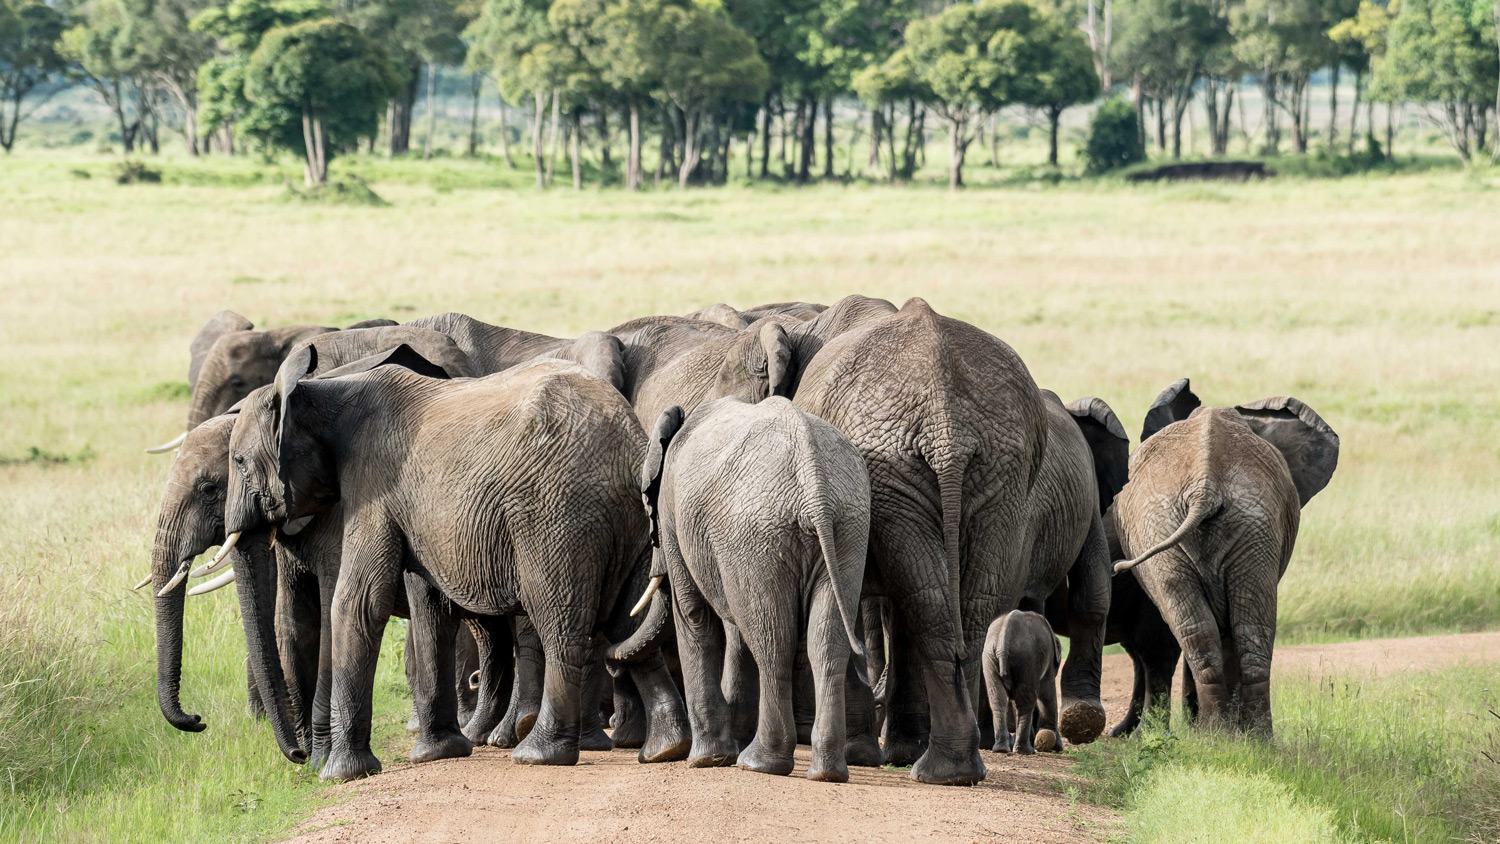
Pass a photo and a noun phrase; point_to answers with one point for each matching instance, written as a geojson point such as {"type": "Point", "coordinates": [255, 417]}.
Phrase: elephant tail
{"type": "Point", "coordinates": [1201, 508]}
{"type": "Point", "coordinates": [950, 478]}
{"type": "Point", "coordinates": [824, 527]}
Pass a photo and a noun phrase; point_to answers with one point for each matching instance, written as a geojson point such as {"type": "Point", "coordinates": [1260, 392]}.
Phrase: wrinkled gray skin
{"type": "Point", "coordinates": [545, 450]}
{"type": "Point", "coordinates": [727, 316]}
{"type": "Point", "coordinates": [1210, 517]}
{"type": "Point", "coordinates": [955, 434]}
{"type": "Point", "coordinates": [762, 513]}
{"type": "Point", "coordinates": [1021, 657]}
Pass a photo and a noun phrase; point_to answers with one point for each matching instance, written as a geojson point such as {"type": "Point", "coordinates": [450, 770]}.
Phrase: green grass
{"type": "Point", "coordinates": [1374, 298]}
{"type": "Point", "coordinates": [1411, 758]}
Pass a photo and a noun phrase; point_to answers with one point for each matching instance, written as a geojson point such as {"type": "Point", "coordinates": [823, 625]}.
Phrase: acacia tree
{"type": "Point", "coordinates": [1165, 45]}
{"type": "Point", "coordinates": [973, 60]}
{"type": "Point", "coordinates": [884, 86]}
{"type": "Point", "coordinates": [327, 77]}
{"type": "Point", "coordinates": [1060, 73]}
{"type": "Point", "coordinates": [1285, 40]}
{"type": "Point", "coordinates": [92, 47]}
{"type": "Point", "coordinates": [1440, 53]}
{"type": "Point", "coordinates": [29, 32]}
{"type": "Point", "coordinates": [167, 52]}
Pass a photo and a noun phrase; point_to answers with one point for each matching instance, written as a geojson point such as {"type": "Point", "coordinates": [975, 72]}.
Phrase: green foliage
{"type": "Point", "coordinates": [29, 35]}
{"type": "Point", "coordinates": [1114, 137]}
{"type": "Point", "coordinates": [340, 190]}
{"type": "Point", "coordinates": [973, 57]}
{"type": "Point", "coordinates": [1443, 53]}
{"type": "Point", "coordinates": [135, 172]}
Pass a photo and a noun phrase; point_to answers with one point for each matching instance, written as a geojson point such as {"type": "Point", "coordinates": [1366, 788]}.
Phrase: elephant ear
{"type": "Point", "coordinates": [223, 322]}
{"type": "Point", "coordinates": [1310, 446]}
{"type": "Point", "coordinates": [662, 432]}
{"type": "Point", "coordinates": [1173, 404]}
{"type": "Point", "coordinates": [380, 322]}
{"type": "Point", "coordinates": [1109, 444]}
{"type": "Point", "coordinates": [778, 351]}
{"type": "Point", "coordinates": [603, 355]}
{"type": "Point", "coordinates": [302, 364]}
{"type": "Point", "coordinates": [403, 356]}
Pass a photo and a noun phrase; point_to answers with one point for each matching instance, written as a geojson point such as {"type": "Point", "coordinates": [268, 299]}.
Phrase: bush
{"type": "Point", "coordinates": [338, 190]}
{"type": "Point", "coordinates": [136, 172]}
{"type": "Point", "coordinates": [1114, 138]}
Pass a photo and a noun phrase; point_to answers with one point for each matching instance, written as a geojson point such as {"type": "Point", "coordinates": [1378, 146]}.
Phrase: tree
{"type": "Point", "coordinates": [519, 44]}
{"type": "Point", "coordinates": [1370, 26]}
{"type": "Point", "coordinates": [1286, 40]}
{"type": "Point", "coordinates": [1060, 73]}
{"type": "Point", "coordinates": [973, 60]}
{"type": "Point", "coordinates": [1114, 137]}
{"type": "Point", "coordinates": [328, 77]}
{"type": "Point", "coordinates": [1441, 53]}
{"type": "Point", "coordinates": [98, 56]}
{"type": "Point", "coordinates": [1165, 44]}
{"type": "Point", "coordinates": [885, 85]}
{"type": "Point", "coordinates": [167, 52]}
{"type": "Point", "coordinates": [29, 32]}
{"type": "Point", "coordinates": [620, 40]}
{"type": "Point", "coordinates": [412, 34]}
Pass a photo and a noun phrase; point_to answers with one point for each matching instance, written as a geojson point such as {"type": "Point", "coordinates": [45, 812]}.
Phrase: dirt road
{"type": "Point", "coordinates": [610, 798]}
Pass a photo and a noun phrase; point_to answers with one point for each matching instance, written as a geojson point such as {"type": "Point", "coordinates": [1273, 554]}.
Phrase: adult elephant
{"type": "Point", "coordinates": [955, 433]}
{"type": "Point", "coordinates": [228, 359]}
{"type": "Point", "coordinates": [1210, 516]}
{"type": "Point", "coordinates": [563, 557]}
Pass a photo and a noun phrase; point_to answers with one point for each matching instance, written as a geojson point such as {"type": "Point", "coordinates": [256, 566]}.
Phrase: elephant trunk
{"type": "Point", "coordinates": [256, 582]}
{"type": "Point", "coordinates": [647, 638]}
{"type": "Point", "coordinates": [169, 611]}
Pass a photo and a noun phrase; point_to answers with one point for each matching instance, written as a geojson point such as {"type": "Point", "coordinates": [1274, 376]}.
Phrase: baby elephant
{"type": "Point", "coordinates": [1021, 656]}
{"type": "Point", "coordinates": [761, 515]}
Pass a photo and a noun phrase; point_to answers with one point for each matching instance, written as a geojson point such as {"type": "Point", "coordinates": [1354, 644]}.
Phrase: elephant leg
{"type": "Point", "coordinates": [465, 663]}
{"type": "Point", "coordinates": [628, 724]}
{"type": "Point", "coordinates": [1187, 612]}
{"type": "Point", "coordinates": [828, 657]}
{"type": "Point", "coordinates": [362, 602]}
{"type": "Point", "coordinates": [494, 646]}
{"type": "Point", "coordinates": [526, 689]}
{"type": "Point", "coordinates": [1024, 698]}
{"type": "Point", "coordinates": [804, 694]}
{"type": "Point", "coordinates": [700, 641]}
{"type": "Point", "coordinates": [874, 619]}
{"type": "Point", "coordinates": [771, 634]}
{"type": "Point", "coordinates": [1047, 715]}
{"type": "Point", "coordinates": [999, 706]}
{"type": "Point", "coordinates": [1132, 719]}
{"type": "Point", "coordinates": [1189, 694]}
{"type": "Point", "coordinates": [862, 727]}
{"type": "Point", "coordinates": [1252, 622]}
{"type": "Point", "coordinates": [1082, 717]}
{"type": "Point", "coordinates": [668, 736]}
{"type": "Point", "coordinates": [297, 625]}
{"type": "Point", "coordinates": [322, 694]}
{"type": "Point", "coordinates": [409, 665]}
{"type": "Point", "coordinates": [906, 721]}
{"type": "Point", "coordinates": [983, 717]}
{"type": "Point", "coordinates": [741, 686]}
{"type": "Point", "coordinates": [591, 735]}
{"type": "Point", "coordinates": [431, 632]}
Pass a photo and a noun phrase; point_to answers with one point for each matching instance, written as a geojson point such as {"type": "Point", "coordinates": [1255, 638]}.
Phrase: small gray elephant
{"type": "Point", "coordinates": [761, 514]}
{"type": "Point", "coordinates": [1021, 658]}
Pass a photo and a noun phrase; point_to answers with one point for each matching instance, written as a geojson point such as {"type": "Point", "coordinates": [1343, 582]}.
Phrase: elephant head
{"type": "Point", "coordinates": [1174, 404]}
{"type": "Point", "coordinates": [237, 362]}
{"type": "Point", "coordinates": [190, 522]}
{"type": "Point", "coordinates": [1109, 444]}
{"type": "Point", "coordinates": [281, 471]}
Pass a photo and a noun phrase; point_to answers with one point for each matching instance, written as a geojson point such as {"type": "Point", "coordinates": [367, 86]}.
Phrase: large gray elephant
{"type": "Point", "coordinates": [762, 514]}
{"type": "Point", "coordinates": [545, 451]}
{"type": "Point", "coordinates": [228, 359]}
{"type": "Point", "coordinates": [1209, 519]}
{"type": "Point", "coordinates": [955, 434]}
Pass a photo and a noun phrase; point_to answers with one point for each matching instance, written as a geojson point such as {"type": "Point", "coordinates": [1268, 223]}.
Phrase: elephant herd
{"type": "Point", "coordinates": [843, 524]}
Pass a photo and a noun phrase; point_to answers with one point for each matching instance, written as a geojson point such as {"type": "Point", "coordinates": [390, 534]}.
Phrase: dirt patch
{"type": "Point", "coordinates": [608, 797]}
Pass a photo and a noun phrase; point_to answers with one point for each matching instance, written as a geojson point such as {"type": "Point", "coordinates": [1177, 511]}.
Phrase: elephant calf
{"type": "Point", "coordinates": [761, 513]}
{"type": "Point", "coordinates": [1021, 658]}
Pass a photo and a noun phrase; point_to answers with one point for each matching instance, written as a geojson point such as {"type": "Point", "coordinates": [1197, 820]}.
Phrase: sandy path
{"type": "Point", "coordinates": [609, 798]}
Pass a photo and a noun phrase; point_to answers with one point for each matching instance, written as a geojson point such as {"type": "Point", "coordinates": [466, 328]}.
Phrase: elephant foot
{"type": "Point", "coordinates": [758, 759]}
{"type": "Point", "coordinates": [863, 751]}
{"type": "Point", "coordinates": [537, 750]}
{"type": "Point", "coordinates": [629, 722]}
{"type": "Point", "coordinates": [317, 758]}
{"type": "Point", "coordinates": [1046, 742]}
{"type": "Point", "coordinates": [672, 742]}
{"type": "Point", "coordinates": [1003, 745]}
{"type": "Point", "coordinates": [1082, 720]}
{"type": "Point", "coordinates": [1126, 726]}
{"type": "Point", "coordinates": [941, 767]}
{"type": "Point", "coordinates": [713, 753]}
{"type": "Point", "coordinates": [595, 739]}
{"type": "Point", "coordinates": [352, 765]}
{"type": "Point", "coordinates": [442, 746]}
{"type": "Point", "coordinates": [413, 726]}
{"type": "Point", "coordinates": [1024, 747]}
{"type": "Point", "coordinates": [828, 766]}
{"type": "Point", "coordinates": [903, 752]}
{"type": "Point", "coordinates": [503, 735]}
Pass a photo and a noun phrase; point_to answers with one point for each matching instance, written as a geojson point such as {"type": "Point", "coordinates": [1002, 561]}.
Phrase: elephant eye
{"type": "Point", "coordinates": [208, 489]}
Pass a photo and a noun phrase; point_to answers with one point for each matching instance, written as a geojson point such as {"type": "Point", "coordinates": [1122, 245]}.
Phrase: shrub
{"type": "Point", "coordinates": [136, 172]}
{"type": "Point", "coordinates": [1114, 137]}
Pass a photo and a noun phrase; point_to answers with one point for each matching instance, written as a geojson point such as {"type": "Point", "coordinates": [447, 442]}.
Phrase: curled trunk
{"type": "Point", "coordinates": [169, 611]}
{"type": "Point", "coordinates": [647, 638]}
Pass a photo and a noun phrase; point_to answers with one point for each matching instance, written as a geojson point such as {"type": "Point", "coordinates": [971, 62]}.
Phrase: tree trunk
{"type": "Point", "coordinates": [1161, 124]}
{"type": "Point", "coordinates": [765, 139]}
{"type": "Point", "coordinates": [799, 133]}
{"type": "Point", "coordinates": [1054, 116]}
{"type": "Point", "coordinates": [432, 73]}
{"type": "Point", "coordinates": [476, 83]}
{"type": "Point", "coordinates": [399, 133]}
{"type": "Point", "coordinates": [890, 138]}
{"type": "Point", "coordinates": [957, 146]}
{"type": "Point", "coordinates": [314, 170]}
{"type": "Point", "coordinates": [505, 137]}
{"type": "Point", "coordinates": [1359, 84]}
{"type": "Point", "coordinates": [1333, 107]}
{"type": "Point", "coordinates": [1390, 131]}
{"type": "Point", "coordinates": [605, 159]}
{"type": "Point", "coordinates": [553, 133]}
{"type": "Point", "coordinates": [828, 138]}
{"type": "Point", "coordinates": [1138, 98]}
{"type": "Point", "coordinates": [690, 146]}
{"type": "Point", "coordinates": [633, 155]}
{"type": "Point", "coordinates": [537, 150]}
{"type": "Point", "coordinates": [574, 130]}
{"type": "Point", "coordinates": [781, 127]}
{"type": "Point", "coordinates": [873, 162]}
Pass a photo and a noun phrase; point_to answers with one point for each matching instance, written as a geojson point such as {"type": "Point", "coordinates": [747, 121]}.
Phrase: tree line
{"type": "Point", "coordinates": [321, 77]}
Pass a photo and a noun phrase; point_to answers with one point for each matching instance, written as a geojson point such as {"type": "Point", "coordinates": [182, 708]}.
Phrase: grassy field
{"type": "Point", "coordinates": [1376, 299]}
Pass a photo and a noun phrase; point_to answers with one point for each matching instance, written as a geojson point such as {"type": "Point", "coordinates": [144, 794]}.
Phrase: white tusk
{"type": "Point", "coordinates": [168, 446]}
{"type": "Point", "coordinates": [217, 583]}
{"type": "Point", "coordinates": [223, 553]}
{"type": "Point", "coordinates": [646, 596]}
{"type": "Point", "coordinates": [145, 581]}
{"type": "Point", "coordinates": [182, 572]}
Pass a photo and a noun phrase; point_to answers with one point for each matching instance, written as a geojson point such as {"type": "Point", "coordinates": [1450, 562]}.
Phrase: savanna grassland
{"type": "Point", "coordinates": [1375, 299]}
